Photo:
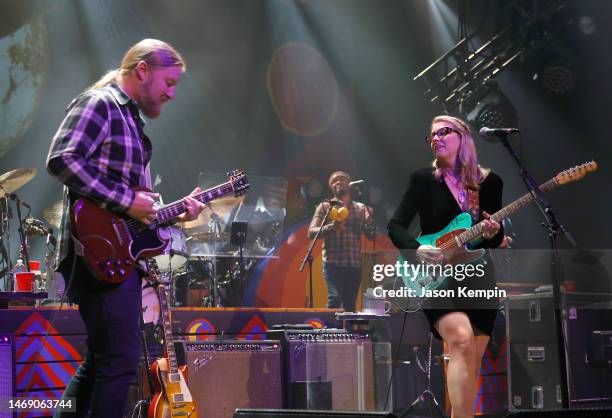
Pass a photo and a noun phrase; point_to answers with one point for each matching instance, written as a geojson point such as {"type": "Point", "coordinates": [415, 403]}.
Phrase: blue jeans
{"type": "Point", "coordinates": [342, 286]}
{"type": "Point", "coordinates": [112, 321]}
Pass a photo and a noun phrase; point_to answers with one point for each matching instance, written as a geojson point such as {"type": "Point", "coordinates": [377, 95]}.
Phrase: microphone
{"type": "Point", "coordinates": [488, 132]}
{"type": "Point", "coordinates": [334, 202]}
{"type": "Point", "coordinates": [356, 183]}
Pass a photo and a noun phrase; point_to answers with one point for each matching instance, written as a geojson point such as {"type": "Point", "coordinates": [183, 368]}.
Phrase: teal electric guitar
{"type": "Point", "coordinates": [455, 240]}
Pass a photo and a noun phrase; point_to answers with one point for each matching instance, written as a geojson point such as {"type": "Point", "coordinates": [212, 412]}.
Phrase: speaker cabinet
{"type": "Point", "coordinates": [7, 371]}
{"type": "Point", "coordinates": [225, 375]}
{"type": "Point", "coordinates": [534, 380]}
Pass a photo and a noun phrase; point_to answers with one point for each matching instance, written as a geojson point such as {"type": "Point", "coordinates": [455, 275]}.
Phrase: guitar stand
{"type": "Point", "coordinates": [143, 404]}
{"type": "Point", "coordinates": [427, 395]}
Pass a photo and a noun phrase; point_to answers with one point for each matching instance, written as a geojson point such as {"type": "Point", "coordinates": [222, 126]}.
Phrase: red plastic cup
{"type": "Point", "coordinates": [24, 281]}
{"type": "Point", "coordinates": [570, 286]}
{"type": "Point", "coordinates": [34, 265]}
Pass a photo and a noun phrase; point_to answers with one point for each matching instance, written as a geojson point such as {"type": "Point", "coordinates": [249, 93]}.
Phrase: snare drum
{"type": "Point", "coordinates": [150, 304]}
{"type": "Point", "coordinates": [175, 255]}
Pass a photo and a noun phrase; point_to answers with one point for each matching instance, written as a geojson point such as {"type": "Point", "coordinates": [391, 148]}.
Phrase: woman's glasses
{"type": "Point", "coordinates": [440, 133]}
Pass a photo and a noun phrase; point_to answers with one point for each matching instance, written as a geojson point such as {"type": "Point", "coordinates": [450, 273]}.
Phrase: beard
{"type": "Point", "coordinates": [147, 103]}
{"type": "Point", "coordinates": [340, 192]}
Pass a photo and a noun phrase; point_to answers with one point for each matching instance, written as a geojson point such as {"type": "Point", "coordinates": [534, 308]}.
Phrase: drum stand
{"type": "Point", "coordinates": [212, 300]}
{"type": "Point", "coordinates": [215, 226]}
{"type": "Point", "coordinates": [5, 249]}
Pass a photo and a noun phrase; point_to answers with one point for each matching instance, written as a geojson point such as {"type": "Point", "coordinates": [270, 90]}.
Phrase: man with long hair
{"type": "Point", "coordinates": [101, 152]}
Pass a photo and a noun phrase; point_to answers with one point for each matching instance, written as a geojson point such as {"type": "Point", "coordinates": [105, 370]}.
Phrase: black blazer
{"type": "Point", "coordinates": [436, 206]}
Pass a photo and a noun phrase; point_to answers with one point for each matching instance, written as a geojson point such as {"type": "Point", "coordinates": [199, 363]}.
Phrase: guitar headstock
{"type": "Point", "coordinates": [240, 184]}
{"type": "Point", "coordinates": [576, 173]}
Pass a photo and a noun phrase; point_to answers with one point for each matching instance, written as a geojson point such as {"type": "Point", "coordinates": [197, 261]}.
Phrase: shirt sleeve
{"type": "Point", "coordinates": [316, 221]}
{"type": "Point", "coordinates": [83, 129]}
{"type": "Point", "coordinates": [404, 215]}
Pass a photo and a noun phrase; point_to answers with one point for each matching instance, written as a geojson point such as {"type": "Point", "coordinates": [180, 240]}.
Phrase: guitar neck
{"type": "Point", "coordinates": [172, 210]}
{"type": "Point", "coordinates": [477, 230]}
{"type": "Point", "coordinates": [168, 337]}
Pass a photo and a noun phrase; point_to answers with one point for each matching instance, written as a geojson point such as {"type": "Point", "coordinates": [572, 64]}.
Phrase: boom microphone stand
{"type": "Point", "coordinates": [554, 226]}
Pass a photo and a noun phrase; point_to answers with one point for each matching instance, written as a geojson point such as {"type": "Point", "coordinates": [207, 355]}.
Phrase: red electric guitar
{"type": "Point", "coordinates": [111, 244]}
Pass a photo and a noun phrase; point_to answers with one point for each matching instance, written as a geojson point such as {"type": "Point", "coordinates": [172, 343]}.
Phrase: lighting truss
{"type": "Point", "coordinates": [460, 77]}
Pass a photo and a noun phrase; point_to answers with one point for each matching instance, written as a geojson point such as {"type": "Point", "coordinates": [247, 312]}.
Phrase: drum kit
{"type": "Point", "coordinates": [203, 265]}
{"type": "Point", "coordinates": [25, 275]}
{"type": "Point", "coordinates": [205, 268]}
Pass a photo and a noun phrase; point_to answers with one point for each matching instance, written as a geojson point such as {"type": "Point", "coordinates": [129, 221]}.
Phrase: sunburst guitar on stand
{"type": "Point", "coordinates": [172, 397]}
{"type": "Point", "coordinates": [112, 244]}
{"type": "Point", "coordinates": [456, 239]}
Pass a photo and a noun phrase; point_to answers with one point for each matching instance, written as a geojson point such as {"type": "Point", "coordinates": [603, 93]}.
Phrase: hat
{"type": "Point", "coordinates": [338, 174]}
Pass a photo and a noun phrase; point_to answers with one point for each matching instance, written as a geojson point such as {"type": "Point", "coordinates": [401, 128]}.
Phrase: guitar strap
{"type": "Point", "coordinates": [474, 205]}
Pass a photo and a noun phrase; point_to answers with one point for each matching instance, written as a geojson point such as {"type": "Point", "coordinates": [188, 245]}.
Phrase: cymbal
{"type": "Point", "coordinates": [199, 221]}
{"type": "Point", "coordinates": [14, 179]}
{"type": "Point", "coordinates": [210, 236]}
{"type": "Point", "coordinates": [53, 214]}
{"type": "Point", "coordinates": [221, 208]}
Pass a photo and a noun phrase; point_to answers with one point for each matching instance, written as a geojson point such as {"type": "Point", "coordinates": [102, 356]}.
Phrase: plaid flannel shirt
{"type": "Point", "coordinates": [343, 248]}
{"type": "Point", "coordinates": [99, 151]}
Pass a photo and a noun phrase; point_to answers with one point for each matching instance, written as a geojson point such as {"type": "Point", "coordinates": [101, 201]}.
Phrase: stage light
{"type": "Point", "coordinates": [493, 110]}
{"type": "Point", "coordinates": [587, 24]}
{"type": "Point", "coordinates": [557, 75]}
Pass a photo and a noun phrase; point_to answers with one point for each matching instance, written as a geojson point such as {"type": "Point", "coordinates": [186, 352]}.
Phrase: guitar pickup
{"type": "Point", "coordinates": [122, 232]}
{"type": "Point", "coordinates": [174, 377]}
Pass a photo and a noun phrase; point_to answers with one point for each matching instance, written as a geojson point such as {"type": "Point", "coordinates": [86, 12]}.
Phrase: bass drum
{"type": "Point", "coordinates": [150, 304]}
{"type": "Point", "coordinates": [175, 255]}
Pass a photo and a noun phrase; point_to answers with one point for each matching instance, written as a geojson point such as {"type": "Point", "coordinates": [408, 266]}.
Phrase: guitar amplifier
{"type": "Point", "coordinates": [230, 374]}
{"type": "Point", "coordinates": [328, 369]}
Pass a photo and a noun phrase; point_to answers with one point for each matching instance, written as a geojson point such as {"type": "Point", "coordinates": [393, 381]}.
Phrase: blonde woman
{"type": "Point", "coordinates": [456, 183]}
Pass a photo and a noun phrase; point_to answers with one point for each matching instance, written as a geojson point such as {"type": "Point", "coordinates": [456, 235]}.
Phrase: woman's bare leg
{"type": "Point", "coordinates": [456, 329]}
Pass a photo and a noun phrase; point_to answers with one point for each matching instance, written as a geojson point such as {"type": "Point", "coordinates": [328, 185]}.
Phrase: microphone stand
{"type": "Point", "coordinates": [554, 226]}
{"type": "Point", "coordinates": [22, 237]}
{"type": "Point", "coordinates": [308, 256]}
